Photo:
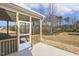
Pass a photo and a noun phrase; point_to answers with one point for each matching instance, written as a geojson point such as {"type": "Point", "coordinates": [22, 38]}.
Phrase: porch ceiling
{"type": "Point", "coordinates": [7, 15]}
{"type": "Point", "coordinates": [17, 8]}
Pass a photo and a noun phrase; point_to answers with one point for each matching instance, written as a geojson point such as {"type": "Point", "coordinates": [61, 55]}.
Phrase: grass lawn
{"type": "Point", "coordinates": [65, 37]}
{"type": "Point", "coordinates": [35, 39]}
{"type": "Point", "coordinates": [67, 40]}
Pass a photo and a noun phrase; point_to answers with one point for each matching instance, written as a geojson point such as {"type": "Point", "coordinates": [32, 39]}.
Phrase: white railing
{"type": "Point", "coordinates": [8, 46]}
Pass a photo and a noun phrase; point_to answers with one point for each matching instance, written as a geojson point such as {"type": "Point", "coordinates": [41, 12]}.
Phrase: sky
{"type": "Point", "coordinates": [4, 23]}
{"type": "Point", "coordinates": [61, 9]}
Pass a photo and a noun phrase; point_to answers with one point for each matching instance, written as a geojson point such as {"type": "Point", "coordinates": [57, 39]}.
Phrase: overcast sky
{"type": "Point", "coordinates": [62, 9]}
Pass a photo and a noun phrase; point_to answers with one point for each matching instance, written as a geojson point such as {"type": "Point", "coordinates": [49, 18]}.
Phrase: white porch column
{"type": "Point", "coordinates": [30, 28]}
{"type": "Point", "coordinates": [17, 19]}
{"type": "Point", "coordinates": [40, 29]}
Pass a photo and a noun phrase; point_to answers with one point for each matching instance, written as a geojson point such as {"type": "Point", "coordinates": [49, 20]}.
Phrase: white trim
{"type": "Point", "coordinates": [24, 21]}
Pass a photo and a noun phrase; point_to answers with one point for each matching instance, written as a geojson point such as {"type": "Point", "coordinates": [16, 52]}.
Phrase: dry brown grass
{"type": "Point", "coordinates": [35, 39]}
{"type": "Point", "coordinates": [64, 38]}
{"type": "Point", "coordinates": [63, 41]}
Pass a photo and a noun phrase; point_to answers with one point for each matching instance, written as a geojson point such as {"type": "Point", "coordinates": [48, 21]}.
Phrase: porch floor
{"type": "Point", "coordinates": [41, 49]}
{"type": "Point", "coordinates": [24, 52]}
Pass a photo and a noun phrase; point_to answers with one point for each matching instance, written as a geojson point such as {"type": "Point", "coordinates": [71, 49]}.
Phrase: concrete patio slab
{"type": "Point", "coordinates": [42, 49]}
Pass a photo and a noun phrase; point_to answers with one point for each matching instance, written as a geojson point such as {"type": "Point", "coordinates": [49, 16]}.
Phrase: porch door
{"type": "Point", "coordinates": [24, 35]}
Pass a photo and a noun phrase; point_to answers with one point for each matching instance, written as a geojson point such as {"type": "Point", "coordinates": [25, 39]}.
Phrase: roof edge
{"type": "Point", "coordinates": [29, 9]}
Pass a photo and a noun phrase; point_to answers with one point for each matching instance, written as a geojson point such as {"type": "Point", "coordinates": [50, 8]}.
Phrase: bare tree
{"type": "Point", "coordinates": [51, 16]}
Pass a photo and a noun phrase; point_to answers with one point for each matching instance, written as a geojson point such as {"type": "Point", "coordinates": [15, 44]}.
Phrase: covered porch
{"type": "Point", "coordinates": [18, 26]}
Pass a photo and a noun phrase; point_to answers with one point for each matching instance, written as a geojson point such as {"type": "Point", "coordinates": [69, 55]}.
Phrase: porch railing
{"type": "Point", "coordinates": [8, 46]}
